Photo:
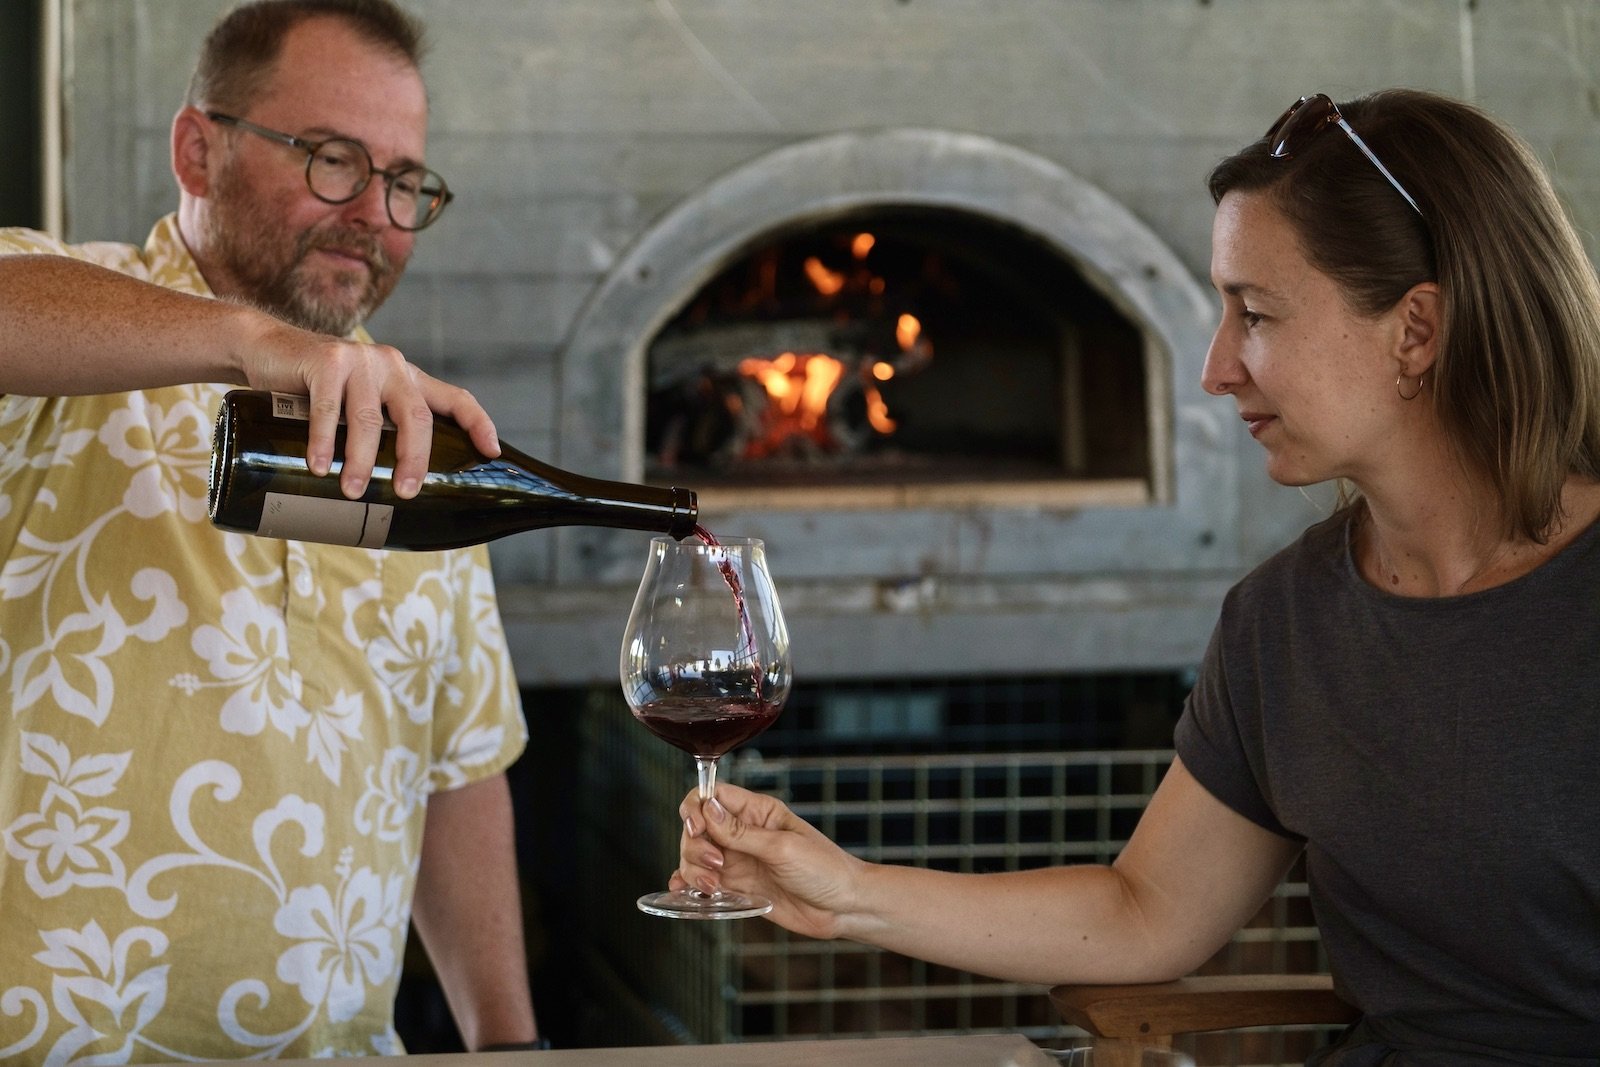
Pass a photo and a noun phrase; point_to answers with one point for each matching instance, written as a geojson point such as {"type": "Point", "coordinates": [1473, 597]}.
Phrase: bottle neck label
{"type": "Point", "coordinates": [331, 522]}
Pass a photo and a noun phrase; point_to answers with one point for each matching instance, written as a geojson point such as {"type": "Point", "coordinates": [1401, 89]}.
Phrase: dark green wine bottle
{"type": "Point", "coordinates": [260, 484]}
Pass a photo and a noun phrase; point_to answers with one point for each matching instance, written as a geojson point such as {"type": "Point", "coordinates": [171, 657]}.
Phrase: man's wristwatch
{"type": "Point", "coordinates": [538, 1044]}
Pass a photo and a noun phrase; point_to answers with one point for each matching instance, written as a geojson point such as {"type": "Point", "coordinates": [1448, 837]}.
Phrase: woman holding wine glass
{"type": "Point", "coordinates": [705, 667]}
{"type": "Point", "coordinates": [1405, 694]}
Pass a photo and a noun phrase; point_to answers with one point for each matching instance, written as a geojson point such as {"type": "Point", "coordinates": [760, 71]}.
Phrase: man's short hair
{"type": "Point", "coordinates": [237, 57]}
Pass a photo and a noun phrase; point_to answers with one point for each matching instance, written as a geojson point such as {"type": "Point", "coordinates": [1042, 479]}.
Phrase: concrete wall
{"type": "Point", "coordinates": [570, 128]}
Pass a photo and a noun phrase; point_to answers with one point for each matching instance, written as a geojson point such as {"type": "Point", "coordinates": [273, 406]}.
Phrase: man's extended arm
{"type": "Point", "coordinates": [68, 327]}
{"type": "Point", "coordinates": [468, 912]}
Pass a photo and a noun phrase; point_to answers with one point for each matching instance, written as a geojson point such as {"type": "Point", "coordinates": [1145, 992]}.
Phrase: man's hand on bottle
{"type": "Point", "coordinates": [363, 385]}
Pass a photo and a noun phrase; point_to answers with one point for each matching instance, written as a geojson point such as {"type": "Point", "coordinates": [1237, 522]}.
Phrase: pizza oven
{"type": "Point", "coordinates": [939, 375]}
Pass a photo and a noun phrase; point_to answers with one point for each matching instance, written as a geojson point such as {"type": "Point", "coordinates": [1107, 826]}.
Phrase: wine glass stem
{"type": "Point", "coordinates": [707, 766]}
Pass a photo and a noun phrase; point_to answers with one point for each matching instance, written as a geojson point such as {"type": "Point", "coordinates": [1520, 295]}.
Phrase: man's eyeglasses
{"type": "Point", "coordinates": [1309, 116]}
{"type": "Point", "coordinates": [338, 169]}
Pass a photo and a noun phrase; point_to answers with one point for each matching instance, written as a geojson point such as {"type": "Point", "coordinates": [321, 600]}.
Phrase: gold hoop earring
{"type": "Point", "coordinates": [1412, 395]}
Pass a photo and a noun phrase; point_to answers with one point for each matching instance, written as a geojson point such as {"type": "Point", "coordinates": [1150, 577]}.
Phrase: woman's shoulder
{"type": "Point", "coordinates": [1323, 542]}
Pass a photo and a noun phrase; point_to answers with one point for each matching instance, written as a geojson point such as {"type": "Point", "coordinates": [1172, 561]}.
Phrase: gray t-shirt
{"type": "Point", "coordinates": [1438, 757]}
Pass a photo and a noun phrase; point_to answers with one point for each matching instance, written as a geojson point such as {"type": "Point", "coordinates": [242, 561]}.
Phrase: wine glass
{"type": "Point", "coordinates": [705, 667]}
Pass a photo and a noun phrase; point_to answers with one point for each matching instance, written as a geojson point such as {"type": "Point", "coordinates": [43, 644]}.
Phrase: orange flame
{"type": "Point", "coordinates": [798, 387]}
{"type": "Point", "coordinates": [906, 331]}
{"type": "Point", "coordinates": [878, 411]}
{"type": "Point", "coordinates": [828, 282]}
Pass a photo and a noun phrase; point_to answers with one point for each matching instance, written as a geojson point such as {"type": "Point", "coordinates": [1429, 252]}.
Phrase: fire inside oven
{"type": "Point", "coordinates": [907, 345]}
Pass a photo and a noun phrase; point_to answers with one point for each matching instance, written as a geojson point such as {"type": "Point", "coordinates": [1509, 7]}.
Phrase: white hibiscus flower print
{"type": "Point", "coordinates": [394, 789]}
{"type": "Point", "coordinates": [413, 652]}
{"type": "Point", "coordinates": [170, 450]}
{"type": "Point", "coordinates": [250, 651]}
{"type": "Point", "coordinates": [345, 942]}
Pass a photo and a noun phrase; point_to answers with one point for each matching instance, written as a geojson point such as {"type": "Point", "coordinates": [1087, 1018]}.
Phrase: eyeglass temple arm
{"type": "Point", "coordinates": [1376, 162]}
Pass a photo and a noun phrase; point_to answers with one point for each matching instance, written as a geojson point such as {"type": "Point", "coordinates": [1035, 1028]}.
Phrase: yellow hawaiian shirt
{"type": "Point", "coordinates": [215, 749]}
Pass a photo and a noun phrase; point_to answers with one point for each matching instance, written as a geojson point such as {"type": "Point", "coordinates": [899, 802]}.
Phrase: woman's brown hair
{"type": "Point", "coordinates": [1516, 382]}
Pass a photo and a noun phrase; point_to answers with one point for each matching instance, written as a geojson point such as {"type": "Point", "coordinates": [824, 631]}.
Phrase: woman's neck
{"type": "Point", "coordinates": [1452, 539]}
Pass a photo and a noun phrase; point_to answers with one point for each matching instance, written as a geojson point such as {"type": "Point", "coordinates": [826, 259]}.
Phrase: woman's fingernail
{"type": "Point", "coordinates": [689, 827]}
{"type": "Point", "coordinates": [717, 811]}
{"type": "Point", "coordinates": [714, 860]}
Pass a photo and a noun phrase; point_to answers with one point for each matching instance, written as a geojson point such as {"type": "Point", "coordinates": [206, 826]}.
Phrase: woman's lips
{"type": "Point", "coordinates": [1257, 421]}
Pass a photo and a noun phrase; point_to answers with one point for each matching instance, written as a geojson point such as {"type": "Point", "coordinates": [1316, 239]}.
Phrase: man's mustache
{"type": "Point", "coordinates": [362, 246]}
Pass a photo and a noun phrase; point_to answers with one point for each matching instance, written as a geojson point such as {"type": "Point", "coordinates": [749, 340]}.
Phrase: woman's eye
{"type": "Point", "coordinates": [1251, 318]}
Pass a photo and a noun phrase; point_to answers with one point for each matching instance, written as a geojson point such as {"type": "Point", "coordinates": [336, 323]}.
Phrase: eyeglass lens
{"type": "Point", "coordinates": [339, 170]}
{"type": "Point", "coordinates": [1305, 118]}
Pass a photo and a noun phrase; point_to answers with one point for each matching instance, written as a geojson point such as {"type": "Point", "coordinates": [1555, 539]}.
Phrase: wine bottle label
{"type": "Point", "coordinates": [290, 406]}
{"type": "Point", "coordinates": [331, 522]}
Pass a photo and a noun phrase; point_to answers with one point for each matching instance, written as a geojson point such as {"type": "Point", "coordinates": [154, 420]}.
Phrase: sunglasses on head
{"type": "Point", "coordinates": [1309, 116]}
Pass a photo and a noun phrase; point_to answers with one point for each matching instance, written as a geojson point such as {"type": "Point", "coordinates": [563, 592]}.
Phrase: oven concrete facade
{"type": "Point", "coordinates": [610, 154]}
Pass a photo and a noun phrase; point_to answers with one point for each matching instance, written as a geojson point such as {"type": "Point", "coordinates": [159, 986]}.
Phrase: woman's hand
{"type": "Point", "coordinates": [751, 843]}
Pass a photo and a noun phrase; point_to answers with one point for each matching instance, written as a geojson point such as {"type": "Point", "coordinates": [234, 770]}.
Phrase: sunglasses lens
{"type": "Point", "coordinates": [1299, 124]}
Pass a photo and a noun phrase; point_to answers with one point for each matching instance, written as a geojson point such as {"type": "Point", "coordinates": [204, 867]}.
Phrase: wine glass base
{"type": "Point", "coordinates": [693, 904]}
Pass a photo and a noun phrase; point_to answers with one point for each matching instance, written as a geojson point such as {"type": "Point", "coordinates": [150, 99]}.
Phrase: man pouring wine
{"type": "Point", "coordinates": [238, 766]}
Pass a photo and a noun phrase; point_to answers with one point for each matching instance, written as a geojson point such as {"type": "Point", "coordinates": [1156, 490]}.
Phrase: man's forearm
{"type": "Point", "coordinates": [71, 328]}
{"type": "Point", "coordinates": [468, 913]}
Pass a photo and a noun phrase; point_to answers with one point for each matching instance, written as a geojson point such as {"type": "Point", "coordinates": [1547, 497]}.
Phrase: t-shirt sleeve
{"type": "Point", "coordinates": [1223, 754]}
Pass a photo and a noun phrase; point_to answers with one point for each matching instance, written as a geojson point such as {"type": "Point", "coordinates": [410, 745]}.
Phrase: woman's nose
{"type": "Point", "coordinates": [1222, 373]}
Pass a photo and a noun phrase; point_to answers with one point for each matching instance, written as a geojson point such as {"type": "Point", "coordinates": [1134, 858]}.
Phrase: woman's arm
{"type": "Point", "coordinates": [1192, 874]}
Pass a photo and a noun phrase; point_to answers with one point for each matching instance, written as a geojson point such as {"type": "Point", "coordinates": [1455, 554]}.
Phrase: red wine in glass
{"type": "Point", "coordinates": [705, 667]}
{"type": "Point", "coordinates": [706, 727]}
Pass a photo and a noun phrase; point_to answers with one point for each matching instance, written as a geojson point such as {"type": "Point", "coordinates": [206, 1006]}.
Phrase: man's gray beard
{"type": "Point", "coordinates": [269, 276]}
{"type": "Point", "coordinates": [284, 296]}
{"type": "Point", "coordinates": [309, 313]}
{"type": "Point", "coordinates": [327, 321]}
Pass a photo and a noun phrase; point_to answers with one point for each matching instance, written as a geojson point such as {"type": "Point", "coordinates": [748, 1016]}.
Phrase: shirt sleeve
{"type": "Point", "coordinates": [17, 241]}
{"type": "Point", "coordinates": [1223, 754]}
{"type": "Point", "coordinates": [485, 731]}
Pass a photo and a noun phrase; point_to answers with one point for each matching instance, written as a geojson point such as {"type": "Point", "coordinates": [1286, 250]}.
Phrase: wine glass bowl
{"type": "Point", "coordinates": [705, 667]}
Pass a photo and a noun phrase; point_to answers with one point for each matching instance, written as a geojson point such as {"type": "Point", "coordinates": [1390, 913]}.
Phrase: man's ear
{"type": "Point", "coordinates": [193, 148]}
{"type": "Point", "coordinates": [1418, 313]}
